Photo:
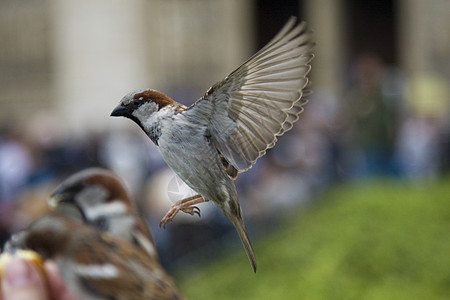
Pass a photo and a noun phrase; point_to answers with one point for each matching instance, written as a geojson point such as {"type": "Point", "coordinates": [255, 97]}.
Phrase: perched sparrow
{"type": "Point", "coordinates": [95, 264]}
{"type": "Point", "coordinates": [231, 126]}
{"type": "Point", "coordinates": [101, 200]}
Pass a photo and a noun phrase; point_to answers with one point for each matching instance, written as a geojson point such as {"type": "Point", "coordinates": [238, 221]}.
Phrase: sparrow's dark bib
{"type": "Point", "coordinates": [154, 134]}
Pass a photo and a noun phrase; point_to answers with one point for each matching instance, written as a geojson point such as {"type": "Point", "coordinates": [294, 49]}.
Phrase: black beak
{"type": "Point", "coordinates": [62, 201]}
{"type": "Point", "coordinates": [121, 111]}
{"type": "Point", "coordinates": [65, 194]}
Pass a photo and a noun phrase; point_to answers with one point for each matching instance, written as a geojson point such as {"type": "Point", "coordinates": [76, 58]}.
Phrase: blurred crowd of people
{"type": "Point", "coordinates": [384, 125]}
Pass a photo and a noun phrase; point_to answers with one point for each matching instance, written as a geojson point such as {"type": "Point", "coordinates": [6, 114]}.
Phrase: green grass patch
{"type": "Point", "coordinates": [371, 240]}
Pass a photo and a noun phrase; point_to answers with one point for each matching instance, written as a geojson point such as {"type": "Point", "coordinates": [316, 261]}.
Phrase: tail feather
{"type": "Point", "coordinates": [239, 224]}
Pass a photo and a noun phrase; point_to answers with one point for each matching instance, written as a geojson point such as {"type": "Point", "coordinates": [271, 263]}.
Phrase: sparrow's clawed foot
{"type": "Point", "coordinates": [185, 205]}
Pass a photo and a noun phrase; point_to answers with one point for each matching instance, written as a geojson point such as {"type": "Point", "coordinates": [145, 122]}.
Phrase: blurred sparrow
{"type": "Point", "coordinates": [231, 126]}
{"type": "Point", "coordinates": [102, 201]}
{"type": "Point", "coordinates": [95, 264]}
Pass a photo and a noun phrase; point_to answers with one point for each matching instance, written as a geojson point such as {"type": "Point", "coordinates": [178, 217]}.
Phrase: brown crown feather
{"type": "Point", "coordinates": [155, 96]}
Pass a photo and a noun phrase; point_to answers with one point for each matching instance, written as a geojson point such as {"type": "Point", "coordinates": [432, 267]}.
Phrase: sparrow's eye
{"type": "Point", "coordinates": [137, 101]}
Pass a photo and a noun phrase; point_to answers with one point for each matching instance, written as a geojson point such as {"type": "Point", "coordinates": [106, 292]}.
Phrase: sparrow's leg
{"type": "Point", "coordinates": [185, 205]}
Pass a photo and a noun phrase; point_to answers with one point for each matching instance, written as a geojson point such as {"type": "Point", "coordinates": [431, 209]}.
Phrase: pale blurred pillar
{"type": "Point", "coordinates": [106, 48]}
{"type": "Point", "coordinates": [423, 35]}
{"type": "Point", "coordinates": [424, 45]}
{"type": "Point", "coordinates": [325, 17]}
{"type": "Point", "coordinates": [99, 57]}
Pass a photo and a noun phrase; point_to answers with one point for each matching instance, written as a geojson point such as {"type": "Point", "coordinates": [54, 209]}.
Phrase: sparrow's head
{"type": "Point", "coordinates": [99, 198]}
{"type": "Point", "coordinates": [140, 105]}
{"type": "Point", "coordinates": [97, 195]}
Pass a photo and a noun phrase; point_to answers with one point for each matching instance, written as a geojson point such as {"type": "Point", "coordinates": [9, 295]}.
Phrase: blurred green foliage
{"type": "Point", "coordinates": [367, 240]}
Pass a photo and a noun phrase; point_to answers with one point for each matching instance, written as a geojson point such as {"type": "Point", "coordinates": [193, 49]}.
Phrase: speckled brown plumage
{"type": "Point", "coordinates": [129, 273]}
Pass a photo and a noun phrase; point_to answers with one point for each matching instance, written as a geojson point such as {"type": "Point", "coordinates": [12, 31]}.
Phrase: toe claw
{"type": "Point", "coordinates": [167, 219]}
{"type": "Point", "coordinates": [183, 205]}
{"type": "Point", "coordinates": [163, 224]}
{"type": "Point", "coordinates": [196, 210]}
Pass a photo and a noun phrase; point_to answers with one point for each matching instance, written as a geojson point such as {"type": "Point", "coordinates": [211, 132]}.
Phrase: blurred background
{"type": "Point", "coordinates": [353, 203]}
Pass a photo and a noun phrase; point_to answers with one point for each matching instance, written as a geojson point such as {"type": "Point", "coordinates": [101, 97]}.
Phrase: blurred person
{"type": "Point", "coordinates": [320, 134]}
{"type": "Point", "coordinates": [57, 153]}
{"type": "Point", "coordinates": [418, 151]}
{"type": "Point", "coordinates": [15, 167]}
{"type": "Point", "coordinates": [421, 142]}
{"type": "Point", "coordinates": [369, 117]}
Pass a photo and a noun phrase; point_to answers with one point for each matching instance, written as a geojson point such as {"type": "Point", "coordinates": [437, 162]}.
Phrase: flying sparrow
{"type": "Point", "coordinates": [95, 264]}
{"type": "Point", "coordinates": [231, 126]}
{"type": "Point", "coordinates": [102, 201]}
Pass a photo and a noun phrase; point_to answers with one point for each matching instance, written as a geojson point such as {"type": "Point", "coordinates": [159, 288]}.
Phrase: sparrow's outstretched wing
{"type": "Point", "coordinates": [260, 100]}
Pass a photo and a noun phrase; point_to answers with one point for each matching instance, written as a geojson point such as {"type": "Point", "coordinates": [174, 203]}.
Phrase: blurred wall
{"type": "Point", "coordinates": [106, 49]}
{"type": "Point", "coordinates": [25, 58]}
{"type": "Point", "coordinates": [76, 59]}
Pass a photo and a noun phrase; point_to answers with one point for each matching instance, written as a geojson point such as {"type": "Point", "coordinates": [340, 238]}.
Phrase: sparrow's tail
{"type": "Point", "coordinates": [239, 224]}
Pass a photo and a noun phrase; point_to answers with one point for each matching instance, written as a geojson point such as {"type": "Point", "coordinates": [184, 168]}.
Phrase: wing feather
{"type": "Point", "coordinates": [260, 100]}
